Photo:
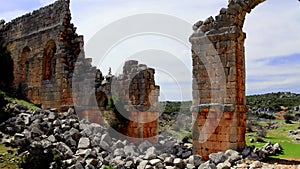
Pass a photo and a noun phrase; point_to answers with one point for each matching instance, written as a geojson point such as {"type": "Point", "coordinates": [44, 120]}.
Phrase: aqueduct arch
{"type": "Point", "coordinates": [219, 105]}
{"type": "Point", "coordinates": [49, 60]}
{"type": "Point", "coordinates": [24, 61]}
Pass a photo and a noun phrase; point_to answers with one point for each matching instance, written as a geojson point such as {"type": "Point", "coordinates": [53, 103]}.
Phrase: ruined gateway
{"type": "Point", "coordinates": [219, 104]}
{"type": "Point", "coordinates": [45, 48]}
{"type": "Point", "coordinates": [50, 70]}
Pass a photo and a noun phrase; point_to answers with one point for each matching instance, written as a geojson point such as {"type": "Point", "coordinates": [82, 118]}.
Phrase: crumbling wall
{"type": "Point", "coordinates": [133, 97]}
{"type": "Point", "coordinates": [50, 69]}
{"type": "Point", "coordinates": [139, 95]}
{"type": "Point", "coordinates": [44, 48]}
{"type": "Point", "coordinates": [219, 105]}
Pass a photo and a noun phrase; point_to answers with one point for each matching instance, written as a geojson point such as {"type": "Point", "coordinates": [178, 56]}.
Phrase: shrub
{"type": "Point", "coordinates": [4, 114]}
{"type": "Point", "coordinates": [297, 116]}
{"type": "Point", "coordinates": [266, 116]}
{"type": "Point", "coordinates": [108, 167]}
{"type": "Point", "coordinates": [6, 67]}
{"type": "Point", "coordinates": [262, 132]}
{"type": "Point", "coordinates": [250, 125]}
{"type": "Point", "coordinates": [288, 118]}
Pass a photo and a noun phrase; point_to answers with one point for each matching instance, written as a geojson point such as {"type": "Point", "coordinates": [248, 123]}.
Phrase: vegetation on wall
{"type": "Point", "coordinates": [6, 65]}
{"type": "Point", "coordinates": [116, 114]}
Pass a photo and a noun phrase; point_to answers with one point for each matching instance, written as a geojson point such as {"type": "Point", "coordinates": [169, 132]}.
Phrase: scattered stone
{"type": "Point", "coordinates": [52, 139]}
{"type": "Point", "coordinates": [154, 161]}
{"type": "Point", "coordinates": [255, 164]}
{"type": "Point", "coordinates": [178, 162]}
{"type": "Point", "coordinates": [129, 150]}
{"type": "Point", "coordinates": [142, 164]}
{"type": "Point", "coordinates": [66, 151]}
{"type": "Point", "coordinates": [84, 143]}
{"type": "Point", "coordinates": [90, 146]}
{"type": "Point", "coordinates": [144, 145]}
{"type": "Point", "coordinates": [83, 152]}
{"type": "Point", "coordinates": [217, 158]}
{"type": "Point", "coordinates": [224, 165]}
{"type": "Point", "coordinates": [195, 160]}
{"type": "Point", "coordinates": [233, 156]}
{"type": "Point", "coordinates": [106, 138]}
{"type": "Point", "coordinates": [168, 160]}
{"type": "Point", "coordinates": [207, 165]}
{"type": "Point", "coordinates": [129, 164]}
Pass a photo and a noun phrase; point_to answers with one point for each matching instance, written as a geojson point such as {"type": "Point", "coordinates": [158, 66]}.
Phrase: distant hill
{"type": "Point", "coordinates": [273, 102]}
{"type": "Point", "coordinates": [270, 102]}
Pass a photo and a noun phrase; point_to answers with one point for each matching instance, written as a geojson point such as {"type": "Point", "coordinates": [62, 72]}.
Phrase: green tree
{"type": "Point", "coordinates": [6, 64]}
{"type": "Point", "coordinates": [288, 118]}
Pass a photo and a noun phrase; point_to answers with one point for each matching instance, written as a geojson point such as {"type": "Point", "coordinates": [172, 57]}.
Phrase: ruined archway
{"type": "Point", "coordinates": [24, 64]}
{"type": "Point", "coordinates": [49, 60]}
{"type": "Point", "coordinates": [219, 105]}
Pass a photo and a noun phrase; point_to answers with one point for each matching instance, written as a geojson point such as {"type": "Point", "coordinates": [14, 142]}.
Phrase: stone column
{"type": "Point", "coordinates": [219, 105]}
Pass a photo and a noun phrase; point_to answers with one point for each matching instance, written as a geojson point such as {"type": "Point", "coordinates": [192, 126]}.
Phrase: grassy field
{"type": "Point", "coordinates": [7, 158]}
{"type": "Point", "coordinates": [280, 135]}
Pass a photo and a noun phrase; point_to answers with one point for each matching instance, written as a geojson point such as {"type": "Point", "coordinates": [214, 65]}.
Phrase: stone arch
{"type": "Point", "coordinates": [49, 62]}
{"type": "Point", "coordinates": [220, 110]}
{"type": "Point", "coordinates": [24, 64]}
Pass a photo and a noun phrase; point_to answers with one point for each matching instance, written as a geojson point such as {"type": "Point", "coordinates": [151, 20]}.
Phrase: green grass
{"type": "Point", "coordinates": [180, 134]}
{"type": "Point", "coordinates": [280, 135]}
{"type": "Point", "coordinates": [9, 160]}
{"type": "Point", "coordinates": [12, 99]}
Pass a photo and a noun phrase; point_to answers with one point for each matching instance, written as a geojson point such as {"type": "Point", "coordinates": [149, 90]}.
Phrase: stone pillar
{"type": "Point", "coordinates": [219, 105]}
{"type": "Point", "coordinates": [139, 94]}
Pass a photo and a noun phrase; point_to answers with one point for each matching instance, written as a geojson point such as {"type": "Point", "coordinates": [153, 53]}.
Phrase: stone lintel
{"type": "Point", "coordinates": [214, 106]}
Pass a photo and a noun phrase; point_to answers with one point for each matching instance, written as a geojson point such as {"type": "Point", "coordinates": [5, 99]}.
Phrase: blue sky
{"type": "Point", "coordinates": [272, 44]}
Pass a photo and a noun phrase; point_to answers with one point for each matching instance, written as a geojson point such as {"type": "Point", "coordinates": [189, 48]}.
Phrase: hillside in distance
{"type": "Point", "coordinates": [274, 102]}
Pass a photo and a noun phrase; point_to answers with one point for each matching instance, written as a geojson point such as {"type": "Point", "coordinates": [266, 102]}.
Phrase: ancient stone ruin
{"type": "Point", "coordinates": [44, 47]}
{"type": "Point", "coordinates": [133, 94]}
{"type": "Point", "coordinates": [50, 69]}
{"type": "Point", "coordinates": [138, 93]}
{"type": "Point", "coordinates": [219, 105]}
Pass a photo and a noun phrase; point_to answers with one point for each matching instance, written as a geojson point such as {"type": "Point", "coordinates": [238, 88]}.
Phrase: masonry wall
{"type": "Point", "coordinates": [133, 93]}
{"type": "Point", "coordinates": [50, 69]}
{"type": "Point", "coordinates": [219, 105]}
{"type": "Point", "coordinates": [139, 93]}
{"type": "Point", "coordinates": [44, 48]}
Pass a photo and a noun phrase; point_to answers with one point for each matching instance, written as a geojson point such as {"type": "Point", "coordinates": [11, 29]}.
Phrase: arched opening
{"type": "Point", "coordinates": [49, 60]}
{"type": "Point", "coordinates": [221, 117]}
{"type": "Point", "coordinates": [24, 64]}
{"type": "Point", "coordinates": [272, 48]}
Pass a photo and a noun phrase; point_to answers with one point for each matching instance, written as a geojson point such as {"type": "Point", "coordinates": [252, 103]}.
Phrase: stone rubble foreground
{"type": "Point", "coordinates": [81, 144]}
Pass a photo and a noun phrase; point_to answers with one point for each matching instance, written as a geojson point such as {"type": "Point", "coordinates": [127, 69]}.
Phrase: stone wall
{"type": "Point", "coordinates": [219, 105]}
{"type": "Point", "coordinates": [44, 48]}
{"type": "Point", "coordinates": [139, 94]}
{"type": "Point", "coordinates": [133, 96]}
{"type": "Point", "coordinates": [50, 69]}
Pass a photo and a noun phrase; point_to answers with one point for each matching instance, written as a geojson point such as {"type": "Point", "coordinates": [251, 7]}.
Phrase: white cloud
{"type": "Point", "coordinates": [268, 76]}
{"type": "Point", "coordinates": [272, 31]}
{"type": "Point", "coordinates": [95, 15]}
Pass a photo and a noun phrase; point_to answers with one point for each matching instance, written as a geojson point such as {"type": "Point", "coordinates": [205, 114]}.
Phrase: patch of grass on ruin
{"type": "Point", "coordinates": [8, 159]}
{"type": "Point", "coordinates": [179, 135]}
{"type": "Point", "coordinates": [280, 135]}
{"type": "Point", "coordinates": [12, 99]}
